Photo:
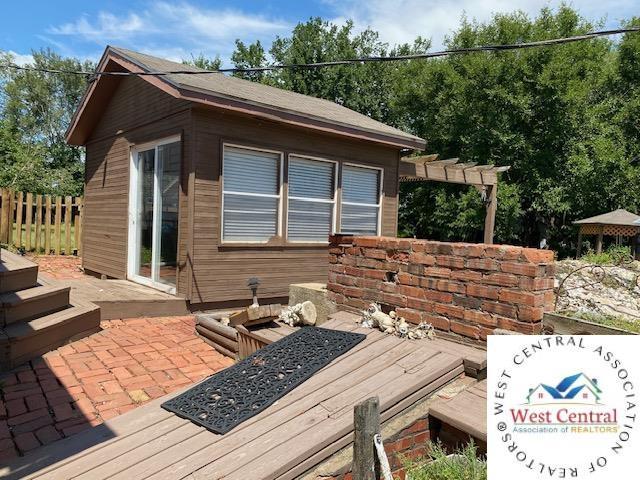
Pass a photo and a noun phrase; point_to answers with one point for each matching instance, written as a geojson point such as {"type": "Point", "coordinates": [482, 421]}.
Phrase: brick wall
{"type": "Point", "coordinates": [407, 445]}
{"type": "Point", "coordinates": [466, 289]}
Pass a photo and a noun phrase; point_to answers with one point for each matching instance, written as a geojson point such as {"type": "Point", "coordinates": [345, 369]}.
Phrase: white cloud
{"type": "Point", "coordinates": [20, 58]}
{"type": "Point", "coordinates": [402, 21]}
{"type": "Point", "coordinates": [172, 30]}
{"type": "Point", "coordinates": [106, 27]}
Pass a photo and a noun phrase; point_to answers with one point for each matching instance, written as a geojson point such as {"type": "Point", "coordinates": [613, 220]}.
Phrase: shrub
{"type": "Point", "coordinates": [463, 465]}
{"type": "Point", "coordinates": [614, 255]}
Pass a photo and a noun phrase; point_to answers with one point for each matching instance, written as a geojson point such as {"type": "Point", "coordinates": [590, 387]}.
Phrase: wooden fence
{"type": "Point", "coordinates": [41, 223]}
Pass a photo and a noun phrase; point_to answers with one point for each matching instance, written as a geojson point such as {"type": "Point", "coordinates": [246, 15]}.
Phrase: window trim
{"type": "Point", "coordinates": [334, 201]}
{"type": "Point", "coordinates": [279, 196]}
{"type": "Point", "coordinates": [380, 193]}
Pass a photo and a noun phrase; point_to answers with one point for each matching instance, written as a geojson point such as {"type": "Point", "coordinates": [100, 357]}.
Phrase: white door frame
{"type": "Point", "coordinates": [133, 249]}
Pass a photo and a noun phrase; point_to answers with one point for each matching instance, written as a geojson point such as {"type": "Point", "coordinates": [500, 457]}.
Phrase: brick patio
{"type": "Point", "coordinates": [58, 267]}
{"type": "Point", "coordinates": [86, 382]}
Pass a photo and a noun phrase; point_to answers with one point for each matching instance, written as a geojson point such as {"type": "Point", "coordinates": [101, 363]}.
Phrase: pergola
{"type": "Point", "coordinates": [617, 223]}
{"type": "Point", "coordinates": [483, 177]}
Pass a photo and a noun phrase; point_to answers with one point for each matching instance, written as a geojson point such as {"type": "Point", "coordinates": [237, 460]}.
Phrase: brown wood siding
{"type": "Point", "coordinates": [220, 272]}
{"type": "Point", "coordinates": [137, 113]}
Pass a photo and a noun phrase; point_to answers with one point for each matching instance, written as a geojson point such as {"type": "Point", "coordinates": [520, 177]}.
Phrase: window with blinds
{"type": "Point", "coordinates": [251, 195]}
{"type": "Point", "coordinates": [360, 200]}
{"type": "Point", "coordinates": [311, 199]}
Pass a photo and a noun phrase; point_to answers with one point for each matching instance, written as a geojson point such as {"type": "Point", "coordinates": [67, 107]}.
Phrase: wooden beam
{"type": "Point", "coordinates": [599, 240]}
{"type": "Point", "coordinates": [366, 423]}
{"type": "Point", "coordinates": [490, 215]}
{"type": "Point", "coordinates": [579, 249]}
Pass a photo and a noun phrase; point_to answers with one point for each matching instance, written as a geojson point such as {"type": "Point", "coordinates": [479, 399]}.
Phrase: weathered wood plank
{"type": "Point", "coordinates": [38, 223]}
{"type": "Point", "coordinates": [68, 209]}
{"type": "Point", "coordinates": [366, 424]}
{"type": "Point", "coordinates": [349, 369]}
{"type": "Point", "coordinates": [284, 455]}
{"type": "Point", "coordinates": [57, 237]}
{"type": "Point", "coordinates": [466, 411]}
{"type": "Point", "coordinates": [47, 225]}
{"type": "Point", "coordinates": [4, 215]}
{"type": "Point", "coordinates": [19, 209]}
{"type": "Point", "coordinates": [29, 221]}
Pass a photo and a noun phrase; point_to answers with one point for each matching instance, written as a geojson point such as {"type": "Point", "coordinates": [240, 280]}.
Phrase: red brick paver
{"type": "Point", "coordinates": [84, 383]}
{"type": "Point", "coordinates": [59, 267]}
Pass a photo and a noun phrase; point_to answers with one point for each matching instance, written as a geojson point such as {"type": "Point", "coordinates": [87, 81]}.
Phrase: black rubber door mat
{"type": "Point", "coordinates": [239, 392]}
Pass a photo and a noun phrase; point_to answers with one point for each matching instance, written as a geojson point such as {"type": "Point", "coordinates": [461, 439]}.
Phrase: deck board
{"type": "Point", "coordinates": [466, 411]}
{"type": "Point", "coordinates": [122, 298]}
{"type": "Point", "coordinates": [296, 432]}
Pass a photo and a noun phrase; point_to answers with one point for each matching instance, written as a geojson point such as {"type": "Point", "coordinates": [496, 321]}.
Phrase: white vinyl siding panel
{"type": "Point", "coordinates": [311, 199]}
{"type": "Point", "coordinates": [360, 200]}
{"type": "Point", "coordinates": [251, 198]}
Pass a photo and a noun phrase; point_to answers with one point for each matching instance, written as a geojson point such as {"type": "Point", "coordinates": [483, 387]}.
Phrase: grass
{"type": "Point", "coordinates": [23, 235]}
{"type": "Point", "coordinates": [464, 465]}
{"type": "Point", "coordinates": [607, 320]}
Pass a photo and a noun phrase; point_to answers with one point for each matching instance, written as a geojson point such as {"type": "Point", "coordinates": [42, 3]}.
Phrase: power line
{"type": "Point", "coordinates": [361, 60]}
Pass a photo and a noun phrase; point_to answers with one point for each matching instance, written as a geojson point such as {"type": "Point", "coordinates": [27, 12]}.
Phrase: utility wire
{"type": "Point", "coordinates": [361, 60]}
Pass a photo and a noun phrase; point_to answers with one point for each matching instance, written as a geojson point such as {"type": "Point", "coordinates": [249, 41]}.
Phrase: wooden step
{"type": "Point", "coordinates": [464, 413]}
{"type": "Point", "coordinates": [16, 272]}
{"type": "Point", "coordinates": [23, 341]}
{"type": "Point", "coordinates": [25, 305]}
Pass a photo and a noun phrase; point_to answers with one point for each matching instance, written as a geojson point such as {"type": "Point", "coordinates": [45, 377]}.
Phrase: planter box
{"type": "Point", "coordinates": [565, 325]}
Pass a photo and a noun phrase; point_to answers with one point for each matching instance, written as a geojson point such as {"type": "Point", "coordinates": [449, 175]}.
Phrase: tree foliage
{"type": "Point", "coordinates": [35, 111]}
{"type": "Point", "coordinates": [566, 118]}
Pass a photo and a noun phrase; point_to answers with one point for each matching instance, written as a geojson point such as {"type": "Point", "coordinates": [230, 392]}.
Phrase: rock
{"type": "Point", "coordinates": [599, 290]}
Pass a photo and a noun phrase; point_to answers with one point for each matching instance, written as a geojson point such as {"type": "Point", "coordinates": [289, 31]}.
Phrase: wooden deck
{"type": "Point", "coordinates": [124, 299]}
{"type": "Point", "coordinates": [466, 412]}
{"type": "Point", "coordinates": [285, 440]}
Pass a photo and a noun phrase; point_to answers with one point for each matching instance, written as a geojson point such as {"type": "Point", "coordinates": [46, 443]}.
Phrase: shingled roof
{"type": "Point", "coordinates": [233, 93]}
{"type": "Point", "coordinates": [617, 217]}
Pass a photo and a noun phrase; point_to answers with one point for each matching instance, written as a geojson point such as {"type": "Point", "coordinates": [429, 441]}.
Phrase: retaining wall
{"type": "Point", "coordinates": [466, 289]}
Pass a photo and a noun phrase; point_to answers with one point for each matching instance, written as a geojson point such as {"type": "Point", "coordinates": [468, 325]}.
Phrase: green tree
{"type": "Point", "coordinates": [35, 112]}
{"type": "Point", "coordinates": [203, 62]}
{"type": "Point", "coordinates": [365, 88]}
{"type": "Point", "coordinates": [547, 112]}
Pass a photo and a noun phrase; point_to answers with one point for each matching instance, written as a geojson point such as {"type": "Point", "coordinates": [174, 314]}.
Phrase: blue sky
{"type": "Point", "coordinates": [177, 29]}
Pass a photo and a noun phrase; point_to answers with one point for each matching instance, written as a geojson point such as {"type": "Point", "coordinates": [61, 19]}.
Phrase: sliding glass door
{"type": "Point", "coordinates": [153, 205]}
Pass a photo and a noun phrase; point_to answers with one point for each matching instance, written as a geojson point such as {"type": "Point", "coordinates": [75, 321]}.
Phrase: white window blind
{"type": "Point", "coordinates": [360, 200]}
{"type": "Point", "coordinates": [311, 199]}
{"type": "Point", "coordinates": [251, 195]}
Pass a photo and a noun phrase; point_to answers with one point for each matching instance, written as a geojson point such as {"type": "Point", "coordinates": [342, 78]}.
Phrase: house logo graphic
{"type": "Point", "coordinates": [574, 389]}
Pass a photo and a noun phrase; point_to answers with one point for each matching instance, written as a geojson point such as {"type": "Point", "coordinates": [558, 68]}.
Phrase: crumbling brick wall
{"type": "Point", "coordinates": [467, 289]}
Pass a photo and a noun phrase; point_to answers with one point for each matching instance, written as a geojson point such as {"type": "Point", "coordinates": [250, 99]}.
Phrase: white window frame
{"type": "Point", "coordinates": [380, 194]}
{"type": "Point", "coordinates": [334, 201]}
{"type": "Point", "coordinates": [133, 247]}
{"type": "Point", "coordinates": [222, 193]}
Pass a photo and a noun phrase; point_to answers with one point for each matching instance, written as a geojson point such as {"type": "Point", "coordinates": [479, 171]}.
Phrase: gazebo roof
{"type": "Point", "coordinates": [617, 217]}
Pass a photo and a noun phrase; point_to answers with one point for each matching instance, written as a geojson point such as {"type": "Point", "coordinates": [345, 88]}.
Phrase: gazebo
{"type": "Point", "coordinates": [619, 223]}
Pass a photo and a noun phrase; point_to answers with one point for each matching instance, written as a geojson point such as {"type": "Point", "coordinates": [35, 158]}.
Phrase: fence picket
{"type": "Point", "coordinates": [47, 225]}
{"type": "Point", "coordinates": [12, 195]}
{"type": "Point", "coordinates": [29, 216]}
{"type": "Point", "coordinates": [57, 236]}
{"type": "Point", "coordinates": [19, 207]}
{"type": "Point", "coordinates": [38, 222]}
{"type": "Point", "coordinates": [4, 216]}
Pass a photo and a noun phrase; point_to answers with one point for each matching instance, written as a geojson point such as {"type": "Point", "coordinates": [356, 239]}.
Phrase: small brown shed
{"type": "Point", "coordinates": [195, 183]}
